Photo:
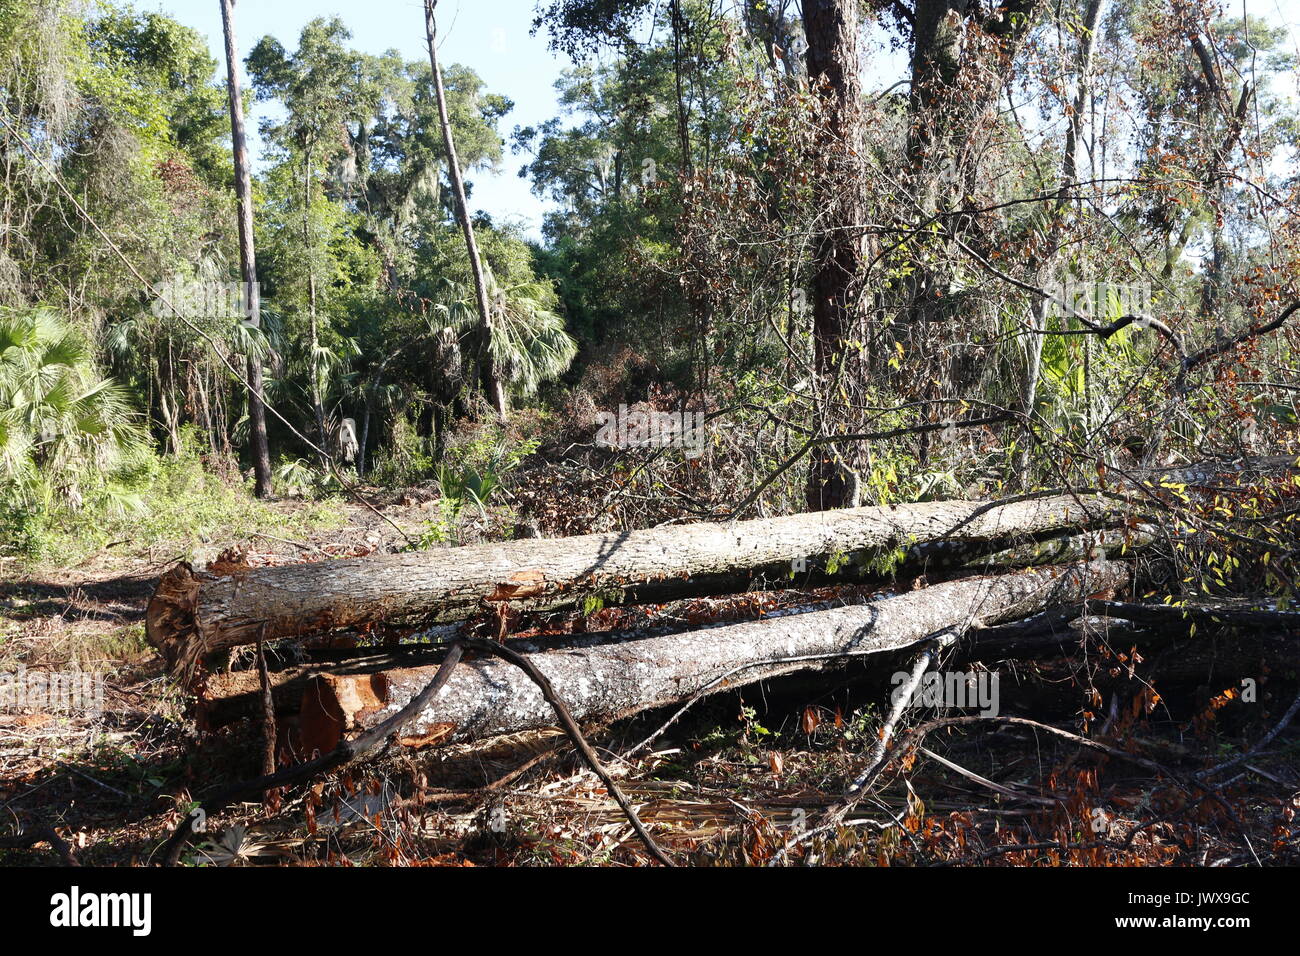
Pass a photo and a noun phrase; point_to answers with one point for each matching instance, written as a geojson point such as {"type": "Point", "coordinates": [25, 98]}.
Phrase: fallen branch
{"type": "Point", "coordinates": [38, 831]}
{"type": "Point", "coordinates": [1263, 742]}
{"type": "Point", "coordinates": [902, 699]}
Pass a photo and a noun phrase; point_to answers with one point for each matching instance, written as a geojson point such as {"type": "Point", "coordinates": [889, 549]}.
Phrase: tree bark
{"type": "Point", "coordinates": [831, 29]}
{"type": "Point", "coordinates": [259, 448]}
{"type": "Point", "coordinates": [193, 614]}
{"type": "Point", "coordinates": [313, 363]}
{"type": "Point", "coordinates": [953, 103]}
{"type": "Point", "coordinates": [633, 672]}
{"type": "Point", "coordinates": [487, 365]}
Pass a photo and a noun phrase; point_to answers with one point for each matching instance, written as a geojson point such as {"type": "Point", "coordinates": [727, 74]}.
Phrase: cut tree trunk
{"type": "Point", "coordinates": [237, 695]}
{"type": "Point", "coordinates": [632, 672]}
{"type": "Point", "coordinates": [193, 614]}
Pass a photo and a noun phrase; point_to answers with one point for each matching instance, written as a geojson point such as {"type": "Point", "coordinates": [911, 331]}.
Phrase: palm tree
{"type": "Point", "coordinates": [529, 344]}
{"type": "Point", "coordinates": [58, 418]}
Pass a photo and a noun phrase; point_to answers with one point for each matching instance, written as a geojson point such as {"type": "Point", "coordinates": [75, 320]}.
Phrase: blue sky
{"type": "Point", "coordinates": [489, 36]}
{"type": "Point", "coordinates": [492, 37]}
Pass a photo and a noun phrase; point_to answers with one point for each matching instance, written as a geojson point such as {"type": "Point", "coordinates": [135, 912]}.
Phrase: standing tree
{"type": "Point", "coordinates": [492, 384]}
{"type": "Point", "coordinates": [831, 28]}
{"type": "Point", "coordinates": [319, 86]}
{"type": "Point", "coordinates": [247, 258]}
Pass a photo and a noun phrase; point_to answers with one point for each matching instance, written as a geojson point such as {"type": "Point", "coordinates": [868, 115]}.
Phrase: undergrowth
{"type": "Point", "coordinates": [175, 503]}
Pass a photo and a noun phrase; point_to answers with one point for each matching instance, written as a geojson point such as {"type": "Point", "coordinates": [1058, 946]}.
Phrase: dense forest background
{"type": "Point", "coordinates": [1047, 170]}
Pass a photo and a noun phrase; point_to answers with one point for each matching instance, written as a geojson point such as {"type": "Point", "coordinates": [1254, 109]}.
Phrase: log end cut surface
{"type": "Point", "coordinates": [332, 704]}
{"type": "Point", "coordinates": [169, 620]}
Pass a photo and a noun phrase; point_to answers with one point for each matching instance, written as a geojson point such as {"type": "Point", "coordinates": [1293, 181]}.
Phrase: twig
{"type": "Point", "coordinates": [347, 752]}
{"type": "Point", "coordinates": [458, 796]}
{"type": "Point", "coordinates": [1263, 742]}
{"type": "Point", "coordinates": [902, 700]}
{"type": "Point", "coordinates": [575, 734]}
{"type": "Point", "coordinates": [305, 546]}
{"type": "Point", "coordinates": [972, 776]}
{"type": "Point", "coordinates": [99, 783]}
{"type": "Point", "coordinates": [41, 832]}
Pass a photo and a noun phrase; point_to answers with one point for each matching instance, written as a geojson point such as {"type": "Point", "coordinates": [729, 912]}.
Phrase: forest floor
{"type": "Point", "coordinates": [729, 784]}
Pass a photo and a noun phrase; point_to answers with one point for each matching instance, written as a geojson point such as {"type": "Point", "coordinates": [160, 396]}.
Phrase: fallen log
{"type": "Point", "coordinates": [1063, 549]}
{"type": "Point", "coordinates": [193, 614]}
{"type": "Point", "coordinates": [625, 674]}
{"type": "Point", "coordinates": [224, 697]}
{"type": "Point", "coordinates": [1243, 612]}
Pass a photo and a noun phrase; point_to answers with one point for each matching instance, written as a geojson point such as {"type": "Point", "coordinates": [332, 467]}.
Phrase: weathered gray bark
{"type": "Point", "coordinates": [258, 449]}
{"type": "Point", "coordinates": [193, 614]}
{"type": "Point", "coordinates": [1062, 549]}
{"type": "Point", "coordinates": [629, 673]}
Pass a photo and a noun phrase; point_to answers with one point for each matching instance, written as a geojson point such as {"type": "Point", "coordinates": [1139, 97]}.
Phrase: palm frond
{"type": "Point", "coordinates": [56, 413]}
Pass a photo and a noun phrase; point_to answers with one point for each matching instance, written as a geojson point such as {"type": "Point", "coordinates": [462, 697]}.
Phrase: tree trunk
{"type": "Point", "coordinates": [952, 109]}
{"type": "Point", "coordinates": [487, 365]}
{"type": "Point", "coordinates": [317, 403]}
{"type": "Point", "coordinates": [258, 446]}
{"type": "Point", "coordinates": [831, 28]}
{"type": "Point", "coordinates": [193, 614]}
{"type": "Point", "coordinates": [683, 127]}
{"type": "Point", "coordinates": [634, 672]}
{"type": "Point", "coordinates": [237, 695]}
